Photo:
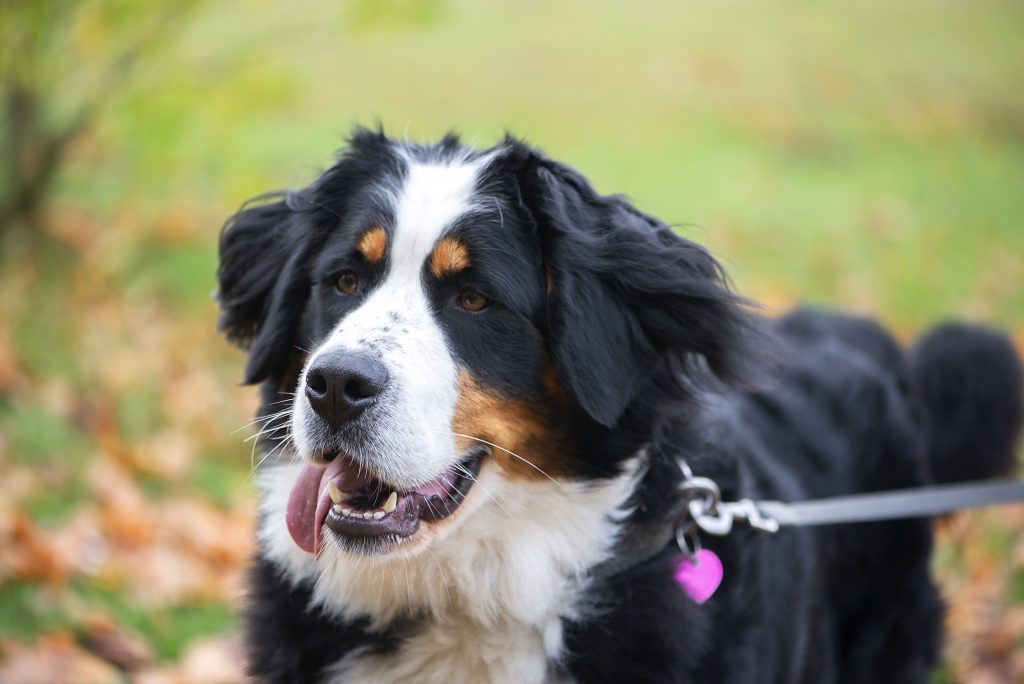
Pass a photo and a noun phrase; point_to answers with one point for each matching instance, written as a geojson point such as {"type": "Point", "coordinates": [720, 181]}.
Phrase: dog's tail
{"type": "Point", "coordinates": [972, 385]}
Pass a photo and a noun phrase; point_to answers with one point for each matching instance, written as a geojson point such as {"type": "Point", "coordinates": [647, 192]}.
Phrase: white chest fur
{"type": "Point", "coordinates": [454, 651]}
{"type": "Point", "coordinates": [489, 597]}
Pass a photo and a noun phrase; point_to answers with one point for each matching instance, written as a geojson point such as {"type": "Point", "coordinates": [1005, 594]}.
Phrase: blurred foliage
{"type": "Point", "coordinates": [59, 62]}
{"type": "Point", "coordinates": [866, 155]}
{"type": "Point", "coordinates": [391, 14]}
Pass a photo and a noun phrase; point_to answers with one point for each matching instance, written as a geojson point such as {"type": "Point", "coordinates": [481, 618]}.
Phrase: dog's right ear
{"type": "Point", "coordinates": [626, 293]}
{"type": "Point", "coordinates": [263, 282]}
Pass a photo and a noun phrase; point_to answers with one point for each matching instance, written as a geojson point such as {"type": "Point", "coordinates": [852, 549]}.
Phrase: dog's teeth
{"type": "Point", "coordinates": [392, 501]}
{"type": "Point", "coordinates": [336, 495]}
{"type": "Point", "coordinates": [346, 511]}
{"type": "Point", "coordinates": [367, 515]}
{"type": "Point", "coordinates": [337, 509]}
{"type": "Point", "coordinates": [378, 515]}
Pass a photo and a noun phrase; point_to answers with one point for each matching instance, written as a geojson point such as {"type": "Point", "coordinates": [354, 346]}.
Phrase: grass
{"type": "Point", "coordinates": [864, 155]}
{"type": "Point", "coordinates": [28, 610]}
{"type": "Point", "coordinates": [168, 629]}
{"type": "Point", "coordinates": [857, 153]}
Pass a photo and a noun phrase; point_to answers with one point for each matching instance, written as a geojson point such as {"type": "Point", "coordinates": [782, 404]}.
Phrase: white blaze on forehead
{"type": "Point", "coordinates": [431, 198]}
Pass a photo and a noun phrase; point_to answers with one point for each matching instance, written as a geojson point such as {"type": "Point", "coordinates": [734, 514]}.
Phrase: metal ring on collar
{"type": "Point", "coordinates": [702, 490]}
{"type": "Point", "coordinates": [717, 521]}
{"type": "Point", "coordinates": [688, 540]}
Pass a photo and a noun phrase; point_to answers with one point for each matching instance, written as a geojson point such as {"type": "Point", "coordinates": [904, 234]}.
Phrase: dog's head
{"type": "Point", "coordinates": [454, 335]}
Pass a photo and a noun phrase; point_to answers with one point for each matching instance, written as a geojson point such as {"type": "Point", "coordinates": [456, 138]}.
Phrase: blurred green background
{"type": "Point", "coordinates": [867, 155]}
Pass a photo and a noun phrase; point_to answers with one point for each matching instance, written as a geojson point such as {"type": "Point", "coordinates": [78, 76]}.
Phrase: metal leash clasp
{"type": "Point", "coordinates": [747, 509]}
{"type": "Point", "coordinates": [706, 510]}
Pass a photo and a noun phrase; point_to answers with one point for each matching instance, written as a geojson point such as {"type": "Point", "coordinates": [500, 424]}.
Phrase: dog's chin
{"type": "Point", "coordinates": [376, 518]}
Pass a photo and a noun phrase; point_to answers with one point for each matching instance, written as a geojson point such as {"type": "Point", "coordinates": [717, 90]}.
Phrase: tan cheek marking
{"type": "Point", "coordinates": [448, 258]}
{"type": "Point", "coordinates": [373, 244]}
{"type": "Point", "coordinates": [534, 430]}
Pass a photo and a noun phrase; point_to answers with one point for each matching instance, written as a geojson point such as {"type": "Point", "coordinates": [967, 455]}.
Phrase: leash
{"type": "Point", "coordinates": [705, 511]}
{"type": "Point", "coordinates": [892, 505]}
{"type": "Point", "coordinates": [700, 508]}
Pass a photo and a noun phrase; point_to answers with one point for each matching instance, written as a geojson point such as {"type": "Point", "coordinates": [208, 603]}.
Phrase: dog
{"type": "Point", "coordinates": [479, 379]}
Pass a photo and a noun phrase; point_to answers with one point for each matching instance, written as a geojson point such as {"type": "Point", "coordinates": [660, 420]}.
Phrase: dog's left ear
{"type": "Point", "coordinates": [262, 281]}
{"type": "Point", "coordinates": [626, 293]}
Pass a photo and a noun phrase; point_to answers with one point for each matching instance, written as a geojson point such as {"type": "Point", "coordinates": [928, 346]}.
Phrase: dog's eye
{"type": "Point", "coordinates": [347, 282]}
{"type": "Point", "coordinates": [472, 301]}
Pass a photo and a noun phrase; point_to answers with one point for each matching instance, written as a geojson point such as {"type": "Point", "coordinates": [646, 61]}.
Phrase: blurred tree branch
{"type": "Point", "coordinates": [60, 62]}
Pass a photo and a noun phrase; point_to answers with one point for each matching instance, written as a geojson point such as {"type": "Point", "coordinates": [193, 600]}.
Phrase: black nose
{"type": "Point", "coordinates": [340, 385]}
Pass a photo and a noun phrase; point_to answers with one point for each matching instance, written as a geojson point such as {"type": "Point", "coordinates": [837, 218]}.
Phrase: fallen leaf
{"type": "Point", "coordinates": [214, 661]}
{"type": "Point", "coordinates": [80, 544]}
{"type": "Point", "coordinates": [127, 515]}
{"type": "Point", "coordinates": [11, 376]}
{"type": "Point", "coordinates": [115, 644]}
{"type": "Point", "coordinates": [55, 659]}
{"type": "Point", "coordinates": [25, 553]}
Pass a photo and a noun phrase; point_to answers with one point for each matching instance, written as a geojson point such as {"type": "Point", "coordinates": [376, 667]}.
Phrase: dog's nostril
{"type": "Point", "coordinates": [355, 390]}
{"type": "Point", "coordinates": [316, 382]}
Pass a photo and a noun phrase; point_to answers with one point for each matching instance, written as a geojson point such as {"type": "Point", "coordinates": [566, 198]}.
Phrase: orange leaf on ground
{"type": "Point", "coordinates": [25, 553]}
{"type": "Point", "coordinates": [114, 644]}
{"type": "Point", "coordinates": [213, 661]}
{"type": "Point", "coordinates": [216, 660]}
{"type": "Point", "coordinates": [126, 513]}
{"type": "Point", "coordinates": [167, 455]}
{"type": "Point", "coordinates": [11, 376]}
{"type": "Point", "coordinates": [55, 659]}
{"type": "Point", "coordinates": [80, 545]}
{"type": "Point", "coordinates": [217, 535]}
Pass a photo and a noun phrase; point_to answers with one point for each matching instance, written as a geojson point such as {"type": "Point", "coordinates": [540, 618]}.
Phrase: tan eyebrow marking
{"type": "Point", "coordinates": [448, 258]}
{"type": "Point", "coordinates": [373, 244]}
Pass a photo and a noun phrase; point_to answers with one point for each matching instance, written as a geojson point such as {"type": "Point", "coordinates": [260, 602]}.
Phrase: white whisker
{"type": "Point", "coordinates": [268, 417]}
{"type": "Point", "coordinates": [511, 453]}
{"type": "Point", "coordinates": [461, 468]}
{"type": "Point", "coordinates": [283, 441]}
{"type": "Point", "coordinates": [267, 431]}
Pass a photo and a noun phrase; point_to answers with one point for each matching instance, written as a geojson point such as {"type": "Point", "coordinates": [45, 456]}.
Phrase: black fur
{"type": "Point", "coordinates": [849, 603]}
{"type": "Point", "coordinates": [305, 640]}
{"type": "Point", "coordinates": [969, 380]}
{"type": "Point", "coordinates": [645, 335]}
{"type": "Point", "coordinates": [628, 293]}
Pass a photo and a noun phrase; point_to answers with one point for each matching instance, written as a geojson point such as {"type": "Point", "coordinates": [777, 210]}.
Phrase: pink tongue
{"type": "Point", "coordinates": [309, 501]}
{"type": "Point", "coordinates": [302, 504]}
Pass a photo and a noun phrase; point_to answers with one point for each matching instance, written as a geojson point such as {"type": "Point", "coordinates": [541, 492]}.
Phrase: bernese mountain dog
{"type": "Point", "coordinates": [479, 379]}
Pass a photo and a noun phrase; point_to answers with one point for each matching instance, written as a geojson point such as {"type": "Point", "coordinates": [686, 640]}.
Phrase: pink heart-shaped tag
{"type": "Point", "coordinates": [700, 577]}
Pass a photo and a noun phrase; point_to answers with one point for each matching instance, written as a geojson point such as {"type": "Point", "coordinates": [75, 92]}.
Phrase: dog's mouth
{"type": "Point", "coordinates": [356, 506]}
